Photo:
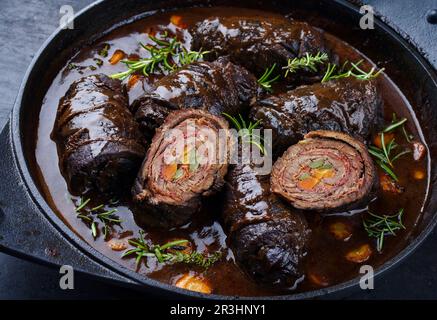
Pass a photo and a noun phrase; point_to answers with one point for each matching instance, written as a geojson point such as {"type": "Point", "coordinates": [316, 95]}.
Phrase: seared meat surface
{"type": "Point", "coordinates": [99, 143]}
{"type": "Point", "coordinates": [257, 43]}
{"type": "Point", "coordinates": [267, 238]}
{"type": "Point", "coordinates": [186, 161]}
{"type": "Point", "coordinates": [217, 87]}
{"type": "Point", "coordinates": [347, 105]}
{"type": "Point", "coordinates": [326, 171]}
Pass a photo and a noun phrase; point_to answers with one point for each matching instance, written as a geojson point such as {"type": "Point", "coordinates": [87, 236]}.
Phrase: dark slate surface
{"type": "Point", "coordinates": [26, 24]}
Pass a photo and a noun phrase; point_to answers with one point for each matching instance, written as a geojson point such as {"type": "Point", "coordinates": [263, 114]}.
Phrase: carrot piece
{"type": "Point", "coordinates": [194, 283]}
{"type": "Point", "coordinates": [359, 254]}
{"type": "Point", "coordinates": [177, 21]}
{"type": "Point", "coordinates": [419, 174]}
{"type": "Point", "coordinates": [340, 231]}
{"type": "Point", "coordinates": [117, 56]}
{"type": "Point", "coordinates": [388, 136]}
{"type": "Point", "coordinates": [169, 171]}
{"type": "Point", "coordinates": [308, 183]}
{"type": "Point", "coordinates": [117, 245]}
{"type": "Point", "coordinates": [318, 279]}
{"type": "Point", "coordinates": [133, 79]}
{"type": "Point", "coordinates": [323, 173]}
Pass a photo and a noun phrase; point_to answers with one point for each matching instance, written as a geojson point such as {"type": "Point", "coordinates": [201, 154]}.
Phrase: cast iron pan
{"type": "Point", "coordinates": [30, 229]}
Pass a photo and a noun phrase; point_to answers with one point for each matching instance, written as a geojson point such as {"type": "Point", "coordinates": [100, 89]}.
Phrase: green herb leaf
{"type": "Point", "coordinates": [167, 54]}
{"type": "Point", "coordinates": [178, 174]}
{"type": "Point", "coordinates": [381, 226]}
{"type": "Point", "coordinates": [245, 131]}
{"type": "Point", "coordinates": [316, 163]}
{"type": "Point", "coordinates": [266, 80]}
{"type": "Point", "coordinates": [142, 251]}
{"type": "Point", "coordinates": [304, 176]}
{"type": "Point", "coordinates": [354, 71]}
{"type": "Point", "coordinates": [309, 61]}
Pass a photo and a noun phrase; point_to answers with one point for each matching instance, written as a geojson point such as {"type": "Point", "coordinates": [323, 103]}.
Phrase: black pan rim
{"type": "Point", "coordinates": [86, 249]}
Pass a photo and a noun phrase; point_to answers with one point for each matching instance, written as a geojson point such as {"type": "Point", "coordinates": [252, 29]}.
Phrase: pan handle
{"type": "Point", "coordinates": [25, 231]}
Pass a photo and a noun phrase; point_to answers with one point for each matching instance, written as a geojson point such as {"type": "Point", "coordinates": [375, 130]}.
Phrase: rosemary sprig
{"type": "Point", "coordinates": [266, 80]}
{"type": "Point", "coordinates": [381, 226]}
{"type": "Point", "coordinates": [245, 131]}
{"type": "Point", "coordinates": [308, 61]}
{"type": "Point", "coordinates": [383, 155]}
{"type": "Point", "coordinates": [354, 71]}
{"type": "Point", "coordinates": [143, 251]}
{"type": "Point", "coordinates": [167, 55]}
{"type": "Point", "coordinates": [92, 217]}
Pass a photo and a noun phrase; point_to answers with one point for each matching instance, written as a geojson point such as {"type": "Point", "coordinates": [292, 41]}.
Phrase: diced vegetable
{"type": "Point", "coordinates": [169, 171]}
{"type": "Point", "coordinates": [360, 254]}
{"type": "Point", "coordinates": [117, 56]}
{"type": "Point", "coordinates": [340, 231]}
{"type": "Point", "coordinates": [194, 283]}
{"type": "Point", "coordinates": [419, 174]}
{"type": "Point", "coordinates": [133, 79]}
{"type": "Point", "coordinates": [117, 245]}
{"type": "Point", "coordinates": [389, 185]}
{"type": "Point", "coordinates": [177, 21]}
{"type": "Point", "coordinates": [318, 279]}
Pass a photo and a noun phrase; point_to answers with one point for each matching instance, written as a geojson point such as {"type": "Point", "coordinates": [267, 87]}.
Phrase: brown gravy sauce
{"type": "Point", "coordinates": [326, 256]}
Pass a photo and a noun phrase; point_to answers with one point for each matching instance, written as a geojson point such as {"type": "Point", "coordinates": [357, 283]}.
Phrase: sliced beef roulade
{"type": "Point", "coordinates": [217, 87]}
{"type": "Point", "coordinates": [347, 105]}
{"type": "Point", "coordinates": [99, 142]}
{"type": "Point", "coordinates": [327, 170]}
{"type": "Point", "coordinates": [268, 239]}
{"type": "Point", "coordinates": [187, 159]}
{"type": "Point", "coordinates": [257, 42]}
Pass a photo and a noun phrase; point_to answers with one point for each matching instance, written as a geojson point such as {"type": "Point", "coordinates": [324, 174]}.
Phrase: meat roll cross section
{"type": "Point", "coordinates": [99, 143]}
{"type": "Point", "coordinates": [187, 160]}
{"type": "Point", "coordinates": [326, 171]}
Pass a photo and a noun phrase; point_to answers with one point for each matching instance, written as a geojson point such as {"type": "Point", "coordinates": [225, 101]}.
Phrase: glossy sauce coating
{"type": "Point", "coordinates": [326, 263]}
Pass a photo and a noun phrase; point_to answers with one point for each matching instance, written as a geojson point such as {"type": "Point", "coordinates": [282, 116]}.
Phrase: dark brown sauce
{"type": "Point", "coordinates": [326, 254]}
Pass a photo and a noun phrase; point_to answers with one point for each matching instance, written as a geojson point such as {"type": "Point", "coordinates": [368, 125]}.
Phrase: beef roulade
{"type": "Point", "coordinates": [348, 105]}
{"type": "Point", "coordinates": [257, 42]}
{"type": "Point", "coordinates": [217, 87]}
{"type": "Point", "coordinates": [268, 239]}
{"type": "Point", "coordinates": [187, 159]}
{"type": "Point", "coordinates": [327, 170]}
{"type": "Point", "coordinates": [99, 142]}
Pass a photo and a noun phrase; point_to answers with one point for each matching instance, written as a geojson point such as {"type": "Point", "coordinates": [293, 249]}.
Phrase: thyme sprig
{"type": "Point", "coordinates": [161, 253]}
{"type": "Point", "coordinates": [383, 155]}
{"type": "Point", "coordinates": [266, 80]}
{"type": "Point", "coordinates": [308, 61]}
{"type": "Point", "coordinates": [97, 214]}
{"type": "Point", "coordinates": [379, 227]}
{"type": "Point", "coordinates": [245, 131]}
{"type": "Point", "coordinates": [354, 71]}
{"type": "Point", "coordinates": [166, 54]}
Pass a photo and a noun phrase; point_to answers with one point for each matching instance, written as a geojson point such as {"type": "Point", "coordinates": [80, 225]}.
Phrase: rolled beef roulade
{"type": "Point", "coordinates": [99, 143]}
{"type": "Point", "coordinates": [259, 42]}
{"type": "Point", "coordinates": [216, 87]}
{"type": "Point", "coordinates": [326, 171]}
{"type": "Point", "coordinates": [267, 237]}
{"type": "Point", "coordinates": [348, 105]}
{"type": "Point", "coordinates": [187, 160]}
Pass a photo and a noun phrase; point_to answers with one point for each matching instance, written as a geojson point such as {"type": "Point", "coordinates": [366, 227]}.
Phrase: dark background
{"type": "Point", "coordinates": [24, 26]}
